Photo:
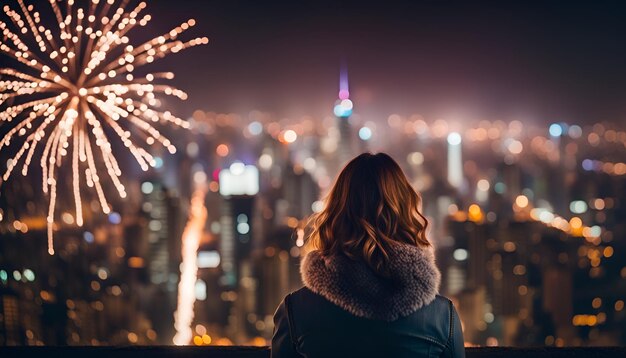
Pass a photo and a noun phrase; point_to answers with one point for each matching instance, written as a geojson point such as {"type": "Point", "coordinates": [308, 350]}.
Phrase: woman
{"type": "Point", "coordinates": [370, 280]}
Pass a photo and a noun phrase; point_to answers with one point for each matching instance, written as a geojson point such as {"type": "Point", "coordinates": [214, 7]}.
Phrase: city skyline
{"type": "Point", "coordinates": [525, 207]}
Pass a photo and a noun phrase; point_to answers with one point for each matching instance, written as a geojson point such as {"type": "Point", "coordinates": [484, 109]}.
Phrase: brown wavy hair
{"type": "Point", "coordinates": [370, 208]}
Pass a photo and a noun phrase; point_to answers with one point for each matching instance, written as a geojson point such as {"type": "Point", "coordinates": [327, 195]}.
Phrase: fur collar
{"type": "Point", "coordinates": [353, 286]}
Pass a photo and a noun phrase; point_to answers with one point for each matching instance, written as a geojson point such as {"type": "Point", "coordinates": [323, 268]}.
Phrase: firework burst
{"type": "Point", "coordinates": [75, 88]}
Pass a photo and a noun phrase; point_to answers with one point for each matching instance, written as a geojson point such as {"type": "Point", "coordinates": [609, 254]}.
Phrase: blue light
{"type": "Point", "coordinates": [556, 130]}
{"type": "Point", "coordinates": [255, 128]}
{"type": "Point", "coordinates": [88, 236]}
{"type": "Point", "coordinates": [588, 164]}
{"type": "Point", "coordinates": [341, 111]}
{"type": "Point", "coordinates": [158, 162]}
{"type": "Point", "coordinates": [365, 133]}
{"type": "Point", "coordinates": [115, 218]}
{"type": "Point", "coordinates": [338, 110]}
{"type": "Point", "coordinates": [499, 188]}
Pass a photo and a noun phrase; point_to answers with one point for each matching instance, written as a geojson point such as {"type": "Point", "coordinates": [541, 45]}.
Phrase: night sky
{"type": "Point", "coordinates": [442, 59]}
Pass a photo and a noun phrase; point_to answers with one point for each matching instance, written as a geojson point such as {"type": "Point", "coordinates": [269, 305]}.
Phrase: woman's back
{"type": "Point", "coordinates": [321, 329]}
{"type": "Point", "coordinates": [370, 280]}
{"type": "Point", "coordinates": [345, 310]}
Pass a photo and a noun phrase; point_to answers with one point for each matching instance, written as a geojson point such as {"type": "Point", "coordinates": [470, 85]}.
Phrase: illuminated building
{"type": "Point", "coordinates": [238, 185]}
{"type": "Point", "coordinates": [343, 110]}
{"type": "Point", "coordinates": [10, 328]}
{"type": "Point", "coordinates": [162, 258]}
{"type": "Point", "coordinates": [162, 228]}
{"type": "Point", "coordinates": [455, 160]}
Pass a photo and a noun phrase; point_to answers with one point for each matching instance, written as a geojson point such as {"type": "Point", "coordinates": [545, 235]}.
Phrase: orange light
{"type": "Point", "coordinates": [206, 339]}
{"type": "Point", "coordinates": [222, 150]}
{"type": "Point", "coordinates": [576, 222]}
{"type": "Point", "coordinates": [596, 303]}
{"type": "Point", "coordinates": [258, 342]}
{"type": "Point", "coordinates": [292, 222]}
{"type": "Point", "coordinates": [598, 204]}
{"type": "Point", "coordinates": [288, 136]}
{"type": "Point", "coordinates": [584, 320]}
{"type": "Point", "coordinates": [135, 262]}
{"type": "Point", "coordinates": [223, 342]}
{"type": "Point", "coordinates": [475, 214]}
{"type": "Point", "coordinates": [521, 201]}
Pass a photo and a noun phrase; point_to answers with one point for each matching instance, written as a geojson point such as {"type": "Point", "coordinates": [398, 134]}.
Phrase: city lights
{"type": "Point", "coordinates": [578, 207]}
{"type": "Point", "coordinates": [484, 199]}
{"type": "Point", "coordinates": [521, 201]}
{"type": "Point", "coordinates": [289, 136]}
{"type": "Point", "coordinates": [416, 158]}
{"type": "Point", "coordinates": [454, 138]}
{"type": "Point", "coordinates": [475, 213]}
{"type": "Point", "coordinates": [265, 161]}
{"type": "Point", "coordinates": [460, 254]}
{"type": "Point", "coordinates": [343, 108]}
{"type": "Point", "coordinates": [556, 130]}
{"type": "Point", "coordinates": [525, 210]}
{"type": "Point", "coordinates": [365, 133]}
{"type": "Point", "coordinates": [483, 185]}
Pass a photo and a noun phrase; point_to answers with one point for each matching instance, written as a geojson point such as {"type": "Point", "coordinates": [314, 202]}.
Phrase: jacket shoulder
{"type": "Point", "coordinates": [434, 321]}
{"type": "Point", "coordinates": [302, 293]}
{"type": "Point", "coordinates": [442, 301]}
{"type": "Point", "coordinates": [301, 301]}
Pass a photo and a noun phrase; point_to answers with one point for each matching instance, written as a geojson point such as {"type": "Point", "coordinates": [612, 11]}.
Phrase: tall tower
{"type": "Point", "coordinates": [455, 160]}
{"type": "Point", "coordinates": [343, 110]}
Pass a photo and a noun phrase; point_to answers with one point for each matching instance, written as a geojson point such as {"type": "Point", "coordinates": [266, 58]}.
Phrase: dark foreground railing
{"type": "Point", "coordinates": [264, 352]}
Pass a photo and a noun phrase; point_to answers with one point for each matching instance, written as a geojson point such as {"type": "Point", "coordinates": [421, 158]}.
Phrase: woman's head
{"type": "Point", "coordinates": [370, 208]}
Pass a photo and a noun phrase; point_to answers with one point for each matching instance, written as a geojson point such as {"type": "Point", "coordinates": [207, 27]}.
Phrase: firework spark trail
{"type": "Point", "coordinates": [73, 80]}
{"type": "Point", "coordinates": [183, 316]}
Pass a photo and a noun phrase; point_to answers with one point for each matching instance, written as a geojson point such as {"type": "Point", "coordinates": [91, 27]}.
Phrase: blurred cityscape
{"type": "Point", "coordinates": [527, 220]}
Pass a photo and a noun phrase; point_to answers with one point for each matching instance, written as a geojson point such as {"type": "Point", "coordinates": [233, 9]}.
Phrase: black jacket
{"type": "Point", "coordinates": [308, 325]}
{"type": "Point", "coordinates": [346, 310]}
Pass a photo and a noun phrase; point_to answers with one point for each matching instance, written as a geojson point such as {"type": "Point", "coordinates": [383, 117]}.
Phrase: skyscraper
{"type": "Point", "coordinates": [455, 161]}
{"type": "Point", "coordinates": [343, 110]}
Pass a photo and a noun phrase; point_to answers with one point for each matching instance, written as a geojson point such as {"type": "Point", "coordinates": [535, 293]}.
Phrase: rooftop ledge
{"type": "Point", "coordinates": [264, 352]}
